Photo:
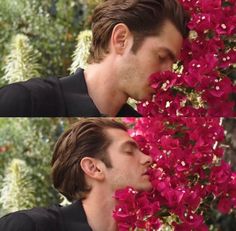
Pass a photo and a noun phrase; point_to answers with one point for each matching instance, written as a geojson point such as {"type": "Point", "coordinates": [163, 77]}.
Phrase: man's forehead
{"type": "Point", "coordinates": [170, 39]}
{"type": "Point", "coordinates": [118, 135]}
{"type": "Point", "coordinates": [116, 132]}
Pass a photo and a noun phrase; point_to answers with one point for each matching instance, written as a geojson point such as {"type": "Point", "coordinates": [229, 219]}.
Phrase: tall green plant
{"type": "Point", "coordinates": [22, 62]}
{"type": "Point", "coordinates": [51, 26]}
{"type": "Point", "coordinates": [18, 190]}
{"type": "Point", "coordinates": [81, 52]}
{"type": "Point", "coordinates": [31, 140]}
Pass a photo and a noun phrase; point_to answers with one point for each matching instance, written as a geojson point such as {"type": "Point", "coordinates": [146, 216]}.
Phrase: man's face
{"type": "Point", "coordinates": [129, 164]}
{"type": "Point", "coordinates": [156, 54]}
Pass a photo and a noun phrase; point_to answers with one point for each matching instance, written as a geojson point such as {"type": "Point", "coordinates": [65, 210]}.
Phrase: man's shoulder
{"type": "Point", "coordinates": [51, 96]}
{"type": "Point", "coordinates": [55, 218]}
{"type": "Point", "coordinates": [8, 106]}
{"type": "Point", "coordinates": [40, 219]}
{"type": "Point", "coordinates": [38, 86]}
{"type": "Point", "coordinates": [17, 222]}
{"type": "Point", "coordinates": [35, 97]}
{"type": "Point", "coordinates": [77, 100]}
{"type": "Point", "coordinates": [33, 84]}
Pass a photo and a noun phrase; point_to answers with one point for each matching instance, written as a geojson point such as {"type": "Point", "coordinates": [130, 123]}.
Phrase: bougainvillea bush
{"type": "Point", "coordinates": [201, 86]}
{"type": "Point", "coordinates": [190, 179]}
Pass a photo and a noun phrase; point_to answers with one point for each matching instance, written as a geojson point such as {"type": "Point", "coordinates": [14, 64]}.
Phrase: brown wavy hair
{"type": "Point", "coordinates": [143, 18]}
{"type": "Point", "coordinates": [87, 137]}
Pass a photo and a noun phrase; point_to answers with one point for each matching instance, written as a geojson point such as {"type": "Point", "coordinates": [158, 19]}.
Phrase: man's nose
{"type": "Point", "coordinates": [146, 159]}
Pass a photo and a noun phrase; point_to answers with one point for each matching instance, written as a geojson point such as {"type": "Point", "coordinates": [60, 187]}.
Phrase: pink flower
{"type": "Point", "coordinates": [173, 197]}
{"type": "Point", "coordinates": [224, 205]}
{"type": "Point", "coordinates": [200, 22]}
{"type": "Point", "coordinates": [204, 57]}
{"type": "Point", "coordinates": [193, 220]}
{"type": "Point", "coordinates": [227, 59]}
{"type": "Point", "coordinates": [210, 5]}
{"type": "Point", "coordinates": [192, 199]}
{"type": "Point", "coordinates": [186, 180]}
{"type": "Point", "coordinates": [125, 212]}
{"type": "Point", "coordinates": [221, 88]}
{"type": "Point", "coordinates": [169, 142]}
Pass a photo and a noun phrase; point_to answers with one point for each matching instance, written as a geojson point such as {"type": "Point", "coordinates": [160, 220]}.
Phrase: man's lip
{"type": "Point", "coordinates": [148, 170]}
{"type": "Point", "coordinates": [146, 173]}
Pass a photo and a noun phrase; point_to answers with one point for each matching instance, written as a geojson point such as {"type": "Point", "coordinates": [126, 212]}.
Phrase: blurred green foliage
{"type": "Point", "coordinates": [81, 52]}
{"type": "Point", "coordinates": [51, 26]}
{"type": "Point", "coordinates": [32, 141]}
{"type": "Point", "coordinates": [17, 191]}
{"type": "Point", "coordinates": [22, 61]}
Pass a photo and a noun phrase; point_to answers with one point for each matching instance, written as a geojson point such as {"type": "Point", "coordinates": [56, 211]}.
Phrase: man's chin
{"type": "Point", "coordinates": [149, 94]}
{"type": "Point", "coordinates": [144, 97]}
{"type": "Point", "coordinates": [145, 187]}
{"type": "Point", "coordinates": [148, 97]}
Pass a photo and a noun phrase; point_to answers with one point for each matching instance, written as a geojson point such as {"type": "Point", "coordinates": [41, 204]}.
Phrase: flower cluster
{"type": "Point", "coordinates": [202, 86]}
{"type": "Point", "coordinates": [189, 177]}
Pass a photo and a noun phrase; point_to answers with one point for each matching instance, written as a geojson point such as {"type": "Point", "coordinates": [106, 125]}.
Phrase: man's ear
{"type": "Point", "coordinates": [120, 38]}
{"type": "Point", "coordinates": [92, 168]}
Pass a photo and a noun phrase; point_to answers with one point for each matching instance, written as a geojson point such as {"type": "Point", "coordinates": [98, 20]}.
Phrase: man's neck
{"type": "Point", "coordinates": [103, 88]}
{"type": "Point", "coordinates": [99, 210]}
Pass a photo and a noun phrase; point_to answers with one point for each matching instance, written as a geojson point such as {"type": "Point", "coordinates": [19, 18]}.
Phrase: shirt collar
{"type": "Point", "coordinates": [74, 217]}
{"type": "Point", "coordinates": [79, 103]}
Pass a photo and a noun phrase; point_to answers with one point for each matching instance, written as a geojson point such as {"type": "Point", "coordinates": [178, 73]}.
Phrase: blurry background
{"type": "Point", "coordinates": [39, 37]}
{"type": "Point", "coordinates": [26, 147]}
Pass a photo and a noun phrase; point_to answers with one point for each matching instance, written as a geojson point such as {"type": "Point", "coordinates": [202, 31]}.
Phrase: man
{"type": "Point", "coordinates": [132, 39]}
{"type": "Point", "coordinates": [91, 161]}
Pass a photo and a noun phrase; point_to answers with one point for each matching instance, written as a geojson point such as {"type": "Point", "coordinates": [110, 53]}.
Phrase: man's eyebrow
{"type": "Point", "coordinates": [130, 143]}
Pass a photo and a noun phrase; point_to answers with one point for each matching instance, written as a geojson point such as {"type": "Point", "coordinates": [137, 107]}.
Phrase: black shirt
{"type": "Point", "coordinates": [67, 96]}
{"type": "Point", "coordinates": [56, 218]}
